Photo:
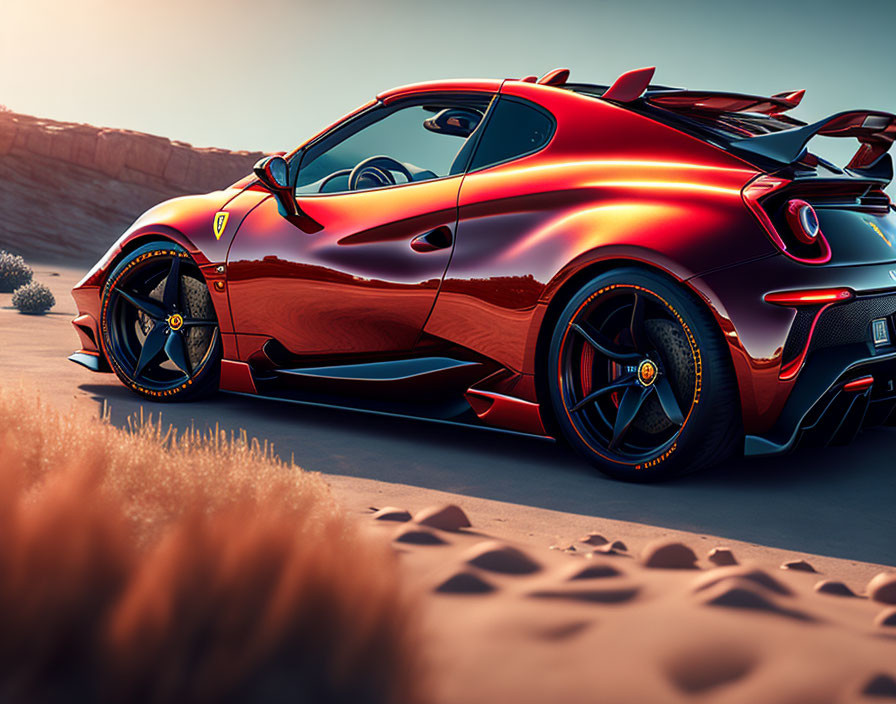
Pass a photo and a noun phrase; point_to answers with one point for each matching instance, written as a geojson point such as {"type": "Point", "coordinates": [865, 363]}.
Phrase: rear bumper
{"type": "Point", "coordinates": [786, 361]}
{"type": "Point", "coordinates": [833, 400]}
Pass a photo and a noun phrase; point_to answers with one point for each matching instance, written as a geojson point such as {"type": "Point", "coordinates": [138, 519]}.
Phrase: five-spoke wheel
{"type": "Point", "coordinates": [159, 326]}
{"type": "Point", "coordinates": [628, 377]}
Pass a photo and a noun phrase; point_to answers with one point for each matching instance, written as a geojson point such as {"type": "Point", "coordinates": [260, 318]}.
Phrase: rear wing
{"type": "Point", "coordinates": [874, 130]}
{"type": "Point", "coordinates": [715, 101]}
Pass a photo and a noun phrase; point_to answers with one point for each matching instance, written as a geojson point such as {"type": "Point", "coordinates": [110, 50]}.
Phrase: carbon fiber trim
{"type": "Point", "coordinates": [851, 322]}
{"type": "Point", "coordinates": [799, 334]}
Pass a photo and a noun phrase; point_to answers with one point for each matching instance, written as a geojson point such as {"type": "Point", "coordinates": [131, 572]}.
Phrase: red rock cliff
{"type": "Point", "coordinates": [67, 191]}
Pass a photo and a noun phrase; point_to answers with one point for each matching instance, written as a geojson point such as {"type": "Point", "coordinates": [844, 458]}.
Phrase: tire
{"type": "Point", "coordinates": [161, 340]}
{"type": "Point", "coordinates": [639, 380]}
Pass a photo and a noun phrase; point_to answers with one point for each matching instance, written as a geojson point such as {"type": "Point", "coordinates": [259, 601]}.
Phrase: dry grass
{"type": "Point", "coordinates": [147, 567]}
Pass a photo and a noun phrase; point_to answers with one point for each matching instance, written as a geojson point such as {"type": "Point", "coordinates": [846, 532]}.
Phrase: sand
{"type": "Point", "coordinates": [513, 622]}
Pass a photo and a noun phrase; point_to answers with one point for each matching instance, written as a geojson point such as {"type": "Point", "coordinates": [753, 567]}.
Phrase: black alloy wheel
{"type": "Point", "coordinates": [159, 328]}
{"type": "Point", "coordinates": [639, 380]}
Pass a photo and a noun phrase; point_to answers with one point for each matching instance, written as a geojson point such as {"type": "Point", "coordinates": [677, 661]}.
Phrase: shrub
{"type": "Point", "coordinates": [148, 566]}
{"type": "Point", "coordinates": [14, 272]}
{"type": "Point", "coordinates": [33, 298]}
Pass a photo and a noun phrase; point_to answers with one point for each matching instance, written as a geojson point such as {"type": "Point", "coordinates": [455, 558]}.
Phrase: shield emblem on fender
{"type": "Point", "coordinates": [219, 223]}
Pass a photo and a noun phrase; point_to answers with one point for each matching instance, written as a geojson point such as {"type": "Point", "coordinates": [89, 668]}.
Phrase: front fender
{"type": "Point", "coordinates": [188, 221]}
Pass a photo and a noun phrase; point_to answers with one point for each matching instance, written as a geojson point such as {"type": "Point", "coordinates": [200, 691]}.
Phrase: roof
{"type": "Point", "coordinates": [489, 85]}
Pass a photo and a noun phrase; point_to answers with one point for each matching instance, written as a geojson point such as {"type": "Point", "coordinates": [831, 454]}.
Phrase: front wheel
{"type": "Point", "coordinates": [639, 380]}
{"type": "Point", "coordinates": [158, 324]}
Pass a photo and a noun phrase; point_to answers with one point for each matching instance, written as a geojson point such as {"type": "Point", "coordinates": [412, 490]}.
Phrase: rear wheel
{"type": "Point", "coordinates": [159, 328]}
{"type": "Point", "coordinates": [639, 381]}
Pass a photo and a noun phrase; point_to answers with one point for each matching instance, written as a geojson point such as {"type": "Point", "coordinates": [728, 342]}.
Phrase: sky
{"type": "Point", "coordinates": [266, 74]}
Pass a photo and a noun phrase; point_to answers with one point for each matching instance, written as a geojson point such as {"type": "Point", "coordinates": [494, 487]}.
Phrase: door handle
{"type": "Point", "coordinates": [440, 238]}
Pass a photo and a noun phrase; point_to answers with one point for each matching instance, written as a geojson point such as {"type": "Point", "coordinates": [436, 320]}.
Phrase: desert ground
{"type": "Point", "coordinates": [536, 601]}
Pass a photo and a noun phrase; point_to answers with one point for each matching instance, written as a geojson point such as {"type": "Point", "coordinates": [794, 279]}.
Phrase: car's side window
{"type": "Point", "coordinates": [514, 128]}
{"type": "Point", "coordinates": [393, 145]}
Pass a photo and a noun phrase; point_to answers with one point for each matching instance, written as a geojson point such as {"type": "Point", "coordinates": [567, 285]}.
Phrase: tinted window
{"type": "Point", "coordinates": [514, 129]}
{"type": "Point", "coordinates": [420, 142]}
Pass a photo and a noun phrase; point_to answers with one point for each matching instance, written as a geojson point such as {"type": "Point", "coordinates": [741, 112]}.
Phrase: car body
{"type": "Point", "coordinates": [436, 295]}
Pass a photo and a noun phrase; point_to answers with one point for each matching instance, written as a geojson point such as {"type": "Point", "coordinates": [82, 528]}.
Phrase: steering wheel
{"type": "Point", "coordinates": [335, 174]}
{"type": "Point", "coordinates": [378, 168]}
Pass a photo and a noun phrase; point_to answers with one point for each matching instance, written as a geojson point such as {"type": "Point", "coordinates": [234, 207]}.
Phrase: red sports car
{"type": "Point", "coordinates": [658, 276]}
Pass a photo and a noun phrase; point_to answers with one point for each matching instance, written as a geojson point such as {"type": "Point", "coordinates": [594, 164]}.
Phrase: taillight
{"type": "Point", "coordinates": [810, 297]}
{"type": "Point", "coordinates": [802, 239]}
{"type": "Point", "coordinates": [803, 220]}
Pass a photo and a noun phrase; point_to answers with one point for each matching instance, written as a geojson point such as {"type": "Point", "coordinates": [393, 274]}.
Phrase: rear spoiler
{"type": "Point", "coordinates": [713, 101]}
{"type": "Point", "coordinates": [874, 130]}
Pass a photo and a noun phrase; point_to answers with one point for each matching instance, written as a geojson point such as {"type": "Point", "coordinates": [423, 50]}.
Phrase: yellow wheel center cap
{"type": "Point", "coordinates": [647, 371]}
{"type": "Point", "coordinates": [175, 321]}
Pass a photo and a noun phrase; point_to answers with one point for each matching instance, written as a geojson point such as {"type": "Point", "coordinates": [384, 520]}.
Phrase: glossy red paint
{"type": "Point", "coordinates": [630, 86]}
{"type": "Point", "coordinates": [355, 287]}
{"type": "Point", "coordinates": [557, 77]}
{"type": "Point", "coordinates": [237, 376]}
{"type": "Point", "coordinates": [527, 227]}
{"type": "Point", "coordinates": [706, 101]}
{"type": "Point", "coordinates": [88, 332]}
{"type": "Point", "coordinates": [506, 411]}
{"type": "Point", "coordinates": [476, 85]}
{"type": "Point", "coordinates": [613, 186]}
{"type": "Point", "coordinates": [791, 98]}
{"type": "Point", "coordinates": [875, 131]}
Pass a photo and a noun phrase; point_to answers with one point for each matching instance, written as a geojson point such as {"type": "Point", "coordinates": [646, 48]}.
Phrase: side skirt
{"type": "Point", "coordinates": [425, 388]}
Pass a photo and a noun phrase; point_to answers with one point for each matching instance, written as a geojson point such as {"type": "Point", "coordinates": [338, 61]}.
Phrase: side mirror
{"type": "Point", "coordinates": [273, 172]}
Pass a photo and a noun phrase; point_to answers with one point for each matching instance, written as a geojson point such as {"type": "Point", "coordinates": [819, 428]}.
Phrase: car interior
{"type": "Point", "coordinates": [418, 143]}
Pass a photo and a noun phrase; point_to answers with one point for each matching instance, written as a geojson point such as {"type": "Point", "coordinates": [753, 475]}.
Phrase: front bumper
{"type": "Point", "coordinates": [87, 299]}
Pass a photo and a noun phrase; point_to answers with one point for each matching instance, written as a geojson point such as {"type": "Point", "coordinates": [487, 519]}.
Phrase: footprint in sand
{"type": "Point", "coordinates": [589, 571]}
{"type": "Point", "coordinates": [608, 595]}
{"type": "Point", "coordinates": [465, 583]}
{"type": "Point", "coordinates": [798, 566]}
{"type": "Point", "coordinates": [832, 586]}
{"type": "Point", "coordinates": [697, 670]}
{"type": "Point", "coordinates": [617, 547]}
{"type": "Point", "coordinates": [448, 517]}
{"type": "Point", "coordinates": [751, 574]}
{"type": "Point", "coordinates": [415, 535]}
{"type": "Point", "coordinates": [886, 619]}
{"type": "Point", "coordinates": [390, 513]}
{"type": "Point", "coordinates": [880, 685]}
{"type": "Point", "coordinates": [722, 557]}
{"type": "Point", "coordinates": [664, 554]}
{"type": "Point", "coordinates": [594, 539]}
{"type": "Point", "coordinates": [882, 588]}
{"type": "Point", "coordinates": [739, 593]}
{"type": "Point", "coordinates": [561, 631]}
{"type": "Point", "coordinates": [495, 556]}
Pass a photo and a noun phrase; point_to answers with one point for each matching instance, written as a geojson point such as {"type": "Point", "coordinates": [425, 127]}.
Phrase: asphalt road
{"type": "Point", "coordinates": [839, 502]}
